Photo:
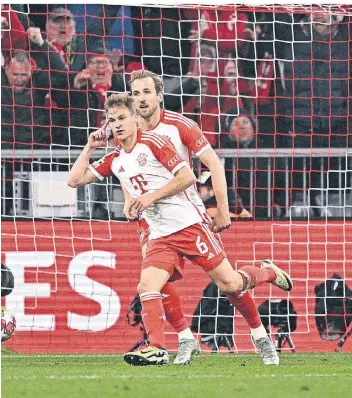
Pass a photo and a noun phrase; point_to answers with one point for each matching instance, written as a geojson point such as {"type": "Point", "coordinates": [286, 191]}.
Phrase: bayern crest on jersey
{"type": "Point", "coordinates": [142, 159]}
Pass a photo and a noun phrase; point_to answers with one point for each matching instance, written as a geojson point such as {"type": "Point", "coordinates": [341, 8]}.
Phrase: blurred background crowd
{"type": "Point", "coordinates": [252, 79]}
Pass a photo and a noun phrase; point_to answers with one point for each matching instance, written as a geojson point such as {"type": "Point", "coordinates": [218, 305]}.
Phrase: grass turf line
{"type": "Point", "coordinates": [299, 375]}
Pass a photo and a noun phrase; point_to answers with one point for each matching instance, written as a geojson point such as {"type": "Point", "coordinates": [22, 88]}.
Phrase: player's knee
{"type": "Point", "coordinates": [143, 287]}
{"type": "Point", "coordinates": [231, 285]}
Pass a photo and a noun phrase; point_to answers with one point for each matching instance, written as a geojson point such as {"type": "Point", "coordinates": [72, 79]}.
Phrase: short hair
{"type": "Point", "coordinates": [121, 99]}
{"type": "Point", "coordinates": [143, 74]}
{"type": "Point", "coordinates": [21, 57]}
{"type": "Point", "coordinates": [235, 113]}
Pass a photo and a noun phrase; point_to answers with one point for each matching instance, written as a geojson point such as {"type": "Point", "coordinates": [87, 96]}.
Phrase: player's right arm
{"type": "Point", "coordinates": [80, 173]}
{"type": "Point", "coordinates": [127, 206]}
{"type": "Point", "coordinates": [183, 178]}
{"type": "Point", "coordinates": [196, 142]}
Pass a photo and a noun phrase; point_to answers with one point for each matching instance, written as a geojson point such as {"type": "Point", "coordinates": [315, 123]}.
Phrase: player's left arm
{"type": "Point", "coordinates": [195, 140]}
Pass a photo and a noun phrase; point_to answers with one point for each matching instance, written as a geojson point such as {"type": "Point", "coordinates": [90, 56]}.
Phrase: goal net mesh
{"type": "Point", "coordinates": [270, 87]}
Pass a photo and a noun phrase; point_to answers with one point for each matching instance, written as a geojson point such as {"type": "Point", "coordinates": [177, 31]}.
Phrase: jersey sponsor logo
{"type": "Point", "coordinates": [200, 141]}
{"type": "Point", "coordinates": [174, 160]}
{"type": "Point", "coordinates": [138, 183]}
{"type": "Point", "coordinates": [142, 159]}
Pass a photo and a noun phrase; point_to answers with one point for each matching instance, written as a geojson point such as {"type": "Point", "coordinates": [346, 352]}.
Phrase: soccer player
{"type": "Point", "coordinates": [185, 135]}
{"type": "Point", "coordinates": [157, 177]}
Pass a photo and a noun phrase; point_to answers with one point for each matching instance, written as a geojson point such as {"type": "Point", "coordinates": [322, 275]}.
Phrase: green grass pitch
{"type": "Point", "coordinates": [213, 376]}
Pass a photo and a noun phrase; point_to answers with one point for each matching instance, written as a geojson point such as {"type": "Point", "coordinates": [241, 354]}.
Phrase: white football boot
{"type": "Point", "coordinates": [187, 348]}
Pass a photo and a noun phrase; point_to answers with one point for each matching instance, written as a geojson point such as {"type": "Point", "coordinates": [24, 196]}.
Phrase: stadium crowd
{"type": "Point", "coordinates": [251, 80]}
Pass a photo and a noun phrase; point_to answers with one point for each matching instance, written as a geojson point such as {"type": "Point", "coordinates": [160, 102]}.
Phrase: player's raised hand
{"type": "Point", "coordinates": [221, 220]}
{"type": "Point", "coordinates": [141, 203]}
{"type": "Point", "coordinates": [99, 137]}
{"type": "Point", "coordinates": [35, 36]}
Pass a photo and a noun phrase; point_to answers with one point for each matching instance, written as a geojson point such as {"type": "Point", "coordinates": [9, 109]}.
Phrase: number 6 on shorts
{"type": "Point", "coordinates": [201, 246]}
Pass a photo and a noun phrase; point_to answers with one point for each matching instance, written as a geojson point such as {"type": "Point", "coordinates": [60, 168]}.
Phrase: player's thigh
{"type": "Point", "coordinates": [227, 279]}
{"type": "Point", "coordinates": [177, 261]}
{"type": "Point", "coordinates": [144, 249]}
{"type": "Point", "coordinates": [161, 254]}
{"type": "Point", "coordinates": [143, 233]}
{"type": "Point", "coordinates": [152, 279]}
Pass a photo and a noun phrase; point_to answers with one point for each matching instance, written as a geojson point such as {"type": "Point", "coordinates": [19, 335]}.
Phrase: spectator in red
{"type": "Point", "coordinates": [201, 109]}
{"type": "Point", "coordinates": [228, 35]}
{"type": "Point", "coordinates": [226, 30]}
{"type": "Point", "coordinates": [231, 89]}
{"type": "Point", "coordinates": [89, 89]}
{"type": "Point", "coordinates": [60, 31]}
{"type": "Point", "coordinates": [74, 47]}
{"type": "Point", "coordinates": [206, 66]}
{"type": "Point", "coordinates": [204, 108]}
{"type": "Point", "coordinates": [87, 97]}
{"type": "Point", "coordinates": [210, 109]}
{"type": "Point", "coordinates": [13, 34]}
{"type": "Point", "coordinates": [26, 119]}
{"type": "Point", "coordinates": [58, 38]}
{"type": "Point", "coordinates": [226, 27]}
{"type": "Point", "coordinates": [223, 35]}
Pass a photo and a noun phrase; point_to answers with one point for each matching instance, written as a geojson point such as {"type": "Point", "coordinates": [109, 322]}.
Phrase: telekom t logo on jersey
{"type": "Point", "coordinates": [139, 183]}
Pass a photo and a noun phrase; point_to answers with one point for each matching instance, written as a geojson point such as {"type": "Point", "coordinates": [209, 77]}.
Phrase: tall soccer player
{"type": "Point", "coordinates": [185, 135]}
{"type": "Point", "coordinates": [157, 177]}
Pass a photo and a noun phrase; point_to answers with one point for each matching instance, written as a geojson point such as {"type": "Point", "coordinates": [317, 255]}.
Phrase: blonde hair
{"type": "Point", "coordinates": [143, 74]}
{"type": "Point", "coordinates": [121, 99]}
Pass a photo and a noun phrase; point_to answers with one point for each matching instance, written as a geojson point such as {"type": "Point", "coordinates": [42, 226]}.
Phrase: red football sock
{"type": "Point", "coordinates": [173, 308]}
{"type": "Point", "coordinates": [245, 304]}
{"type": "Point", "coordinates": [253, 276]}
{"type": "Point", "coordinates": [153, 318]}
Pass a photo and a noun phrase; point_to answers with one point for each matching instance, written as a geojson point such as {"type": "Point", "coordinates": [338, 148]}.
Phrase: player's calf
{"type": "Point", "coordinates": [226, 278]}
{"type": "Point", "coordinates": [248, 277]}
